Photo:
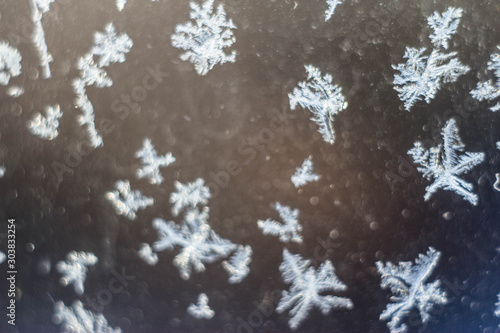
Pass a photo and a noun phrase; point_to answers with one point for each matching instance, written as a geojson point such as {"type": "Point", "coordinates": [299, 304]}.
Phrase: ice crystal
{"type": "Point", "coordinates": [442, 164]}
{"type": "Point", "coordinates": [120, 4]}
{"type": "Point", "coordinates": [332, 4]}
{"type": "Point", "coordinates": [46, 126]}
{"type": "Point", "coordinates": [496, 186]}
{"type": "Point", "coordinates": [152, 162]}
{"type": "Point", "coordinates": [308, 288]}
{"type": "Point", "coordinates": [444, 26]}
{"type": "Point", "coordinates": [421, 76]}
{"type": "Point", "coordinates": [407, 283]}
{"type": "Point", "coordinates": [127, 202]}
{"type": "Point", "coordinates": [146, 253]}
{"type": "Point", "coordinates": [189, 195]}
{"type": "Point", "coordinates": [322, 98]}
{"type": "Point", "coordinates": [304, 174]}
{"type": "Point", "coordinates": [201, 310]}
{"type": "Point", "coordinates": [38, 8]}
{"type": "Point", "coordinates": [10, 63]}
{"type": "Point", "coordinates": [199, 243]}
{"type": "Point", "coordinates": [74, 269]}
{"type": "Point", "coordinates": [287, 231]}
{"type": "Point", "coordinates": [2, 257]}
{"type": "Point", "coordinates": [15, 91]}
{"type": "Point", "coordinates": [76, 319]}
{"type": "Point", "coordinates": [497, 310]}
{"type": "Point", "coordinates": [490, 90]}
{"type": "Point", "coordinates": [110, 48]}
{"type": "Point", "coordinates": [205, 40]}
{"type": "Point", "coordinates": [237, 266]}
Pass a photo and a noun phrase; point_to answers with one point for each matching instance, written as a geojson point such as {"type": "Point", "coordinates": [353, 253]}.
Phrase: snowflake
{"type": "Point", "coordinates": [287, 231]}
{"type": "Point", "coordinates": [199, 243]}
{"type": "Point", "coordinates": [110, 47]}
{"type": "Point", "coordinates": [421, 76]}
{"type": "Point", "coordinates": [146, 253]}
{"type": "Point", "coordinates": [127, 202]}
{"type": "Point", "coordinates": [74, 269]}
{"type": "Point", "coordinates": [332, 4]}
{"type": "Point", "coordinates": [324, 100]}
{"type": "Point", "coordinates": [406, 282]}
{"type": "Point", "coordinates": [308, 288]}
{"type": "Point", "coordinates": [304, 174]}
{"type": "Point", "coordinates": [10, 63]}
{"type": "Point", "coordinates": [46, 126]}
{"type": "Point", "coordinates": [442, 164]}
{"type": "Point", "coordinates": [76, 319]}
{"type": "Point", "coordinates": [490, 90]}
{"type": "Point", "coordinates": [205, 40]}
{"type": "Point", "coordinates": [189, 195]}
{"type": "Point", "coordinates": [38, 8]}
{"type": "Point", "coordinates": [201, 310]}
{"type": "Point", "coordinates": [237, 266]}
{"type": "Point", "coordinates": [152, 162]}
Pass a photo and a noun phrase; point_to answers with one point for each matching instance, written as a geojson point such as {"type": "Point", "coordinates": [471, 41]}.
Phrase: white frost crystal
{"type": "Point", "coordinates": [332, 4]}
{"type": "Point", "coordinates": [322, 98]}
{"type": "Point", "coordinates": [490, 90]}
{"type": "Point", "coordinates": [189, 195]}
{"type": "Point", "coordinates": [76, 319]}
{"type": "Point", "coordinates": [237, 266]}
{"type": "Point", "coordinates": [304, 174]}
{"type": "Point", "coordinates": [205, 39]}
{"type": "Point", "coordinates": [38, 8]}
{"type": "Point", "coordinates": [442, 164]}
{"type": "Point", "coordinates": [407, 283]}
{"type": "Point", "coordinates": [287, 231]}
{"type": "Point", "coordinates": [201, 310]}
{"type": "Point", "coordinates": [46, 126]}
{"type": "Point", "coordinates": [152, 162]}
{"type": "Point", "coordinates": [308, 288]}
{"type": "Point", "coordinates": [10, 63]}
{"type": "Point", "coordinates": [74, 269]}
{"type": "Point", "coordinates": [127, 202]}
{"type": "Point", "coordinates": [146, 253]}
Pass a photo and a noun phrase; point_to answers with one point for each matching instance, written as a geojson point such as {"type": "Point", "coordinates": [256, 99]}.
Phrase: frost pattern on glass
{"type": "Point", "coordinates": [201, 310]}
{"type": "Point", "coordinates": [110, 48]}
{"type": "Point", "coordinates": [442, 164]}
{"type": "Point", "coordinates": [332, 4]}
{"type": "Point", "coordinates": [46, 126]}
{"type": "Point", "coordinates": [490, 90]}
{"type": "Point", "coordinates": [74, 269]}
{"type": "Point", "coordinates": [146, 253]}
{"type": "Point", "coordinates": [308, 288]}
{"type": "Point", "coordinates": [444, 26]}
{"type": "Point", "coordinates": [289, 230]}
{"type": "Point", "coordinates": [76, 319]}
{"type": "Point", "coordinates": [199, 243]}
{"type": "Point", "coordinates": [152, 162]}
{"type": "Point", "coordinates": [10, 63]}
{"type": "Point", "coordinates": [322, 98]}
{"type": "Point", "coordinates": [407, 283]}
{"type": "Point", "coordinates": [189, 195]}
{"type": "Point", "coordinates": [421, 76]}
{"type": "Point", "coordinates": [205, 40]}
{"type": "Point", "coordinates": [237, 266]}
{"type": "Point", "coordinates": [304, 174]}
{"type": "Point", "coordinates": [38, 8]}
{"type": "Point", "coordinates": [127, 202]}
